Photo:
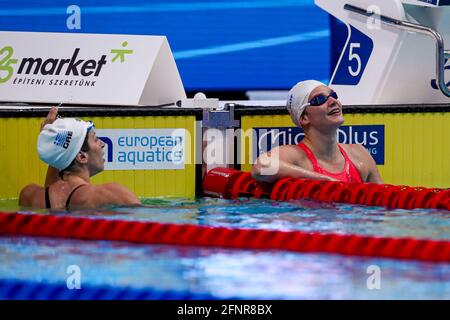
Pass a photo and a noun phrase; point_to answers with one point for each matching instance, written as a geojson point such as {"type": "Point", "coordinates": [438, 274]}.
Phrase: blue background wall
{"type": "Point", "coordinates": [227, 45]}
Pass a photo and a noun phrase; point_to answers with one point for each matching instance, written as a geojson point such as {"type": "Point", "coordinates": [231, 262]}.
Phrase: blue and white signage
{"type": "Point", "coordinates": [143, 149]}
{"type": "Point", "coordinates": [437, 2]}
{"type": "Point", "coordinates": [370, 136]}
{"type": "Point", "coordinates": [354, 59]}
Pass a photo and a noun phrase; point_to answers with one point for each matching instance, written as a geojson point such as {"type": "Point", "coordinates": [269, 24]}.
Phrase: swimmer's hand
{"type": "Point", "coordinates": [51, 117]}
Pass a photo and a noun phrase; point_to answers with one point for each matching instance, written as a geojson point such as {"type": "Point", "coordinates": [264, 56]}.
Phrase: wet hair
{"type": "Point", "coordinates": [85, 148]}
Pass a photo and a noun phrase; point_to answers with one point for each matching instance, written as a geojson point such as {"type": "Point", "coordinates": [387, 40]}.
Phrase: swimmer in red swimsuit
{"type": "Point", "coordinates": [315, 108]}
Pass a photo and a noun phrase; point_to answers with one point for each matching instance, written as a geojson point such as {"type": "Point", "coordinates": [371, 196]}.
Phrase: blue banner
{"type": "Point", "coordinates": [370, 136]}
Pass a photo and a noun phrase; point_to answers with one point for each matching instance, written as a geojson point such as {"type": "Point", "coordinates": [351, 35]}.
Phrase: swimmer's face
{"type": "Point", "coordinates": [95, 153]}
{"type": "Point", "coordinates": [326, 114]}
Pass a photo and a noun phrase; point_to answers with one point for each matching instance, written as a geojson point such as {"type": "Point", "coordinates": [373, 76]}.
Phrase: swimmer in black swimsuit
{"type": "Point", "coordinates": [48, 204]}
{"type": "Point", "coordinates": [74, 154]}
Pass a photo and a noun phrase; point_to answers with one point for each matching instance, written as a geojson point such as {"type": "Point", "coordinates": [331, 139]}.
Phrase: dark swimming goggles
{"type": "Point", "coordinates": [321, 99]}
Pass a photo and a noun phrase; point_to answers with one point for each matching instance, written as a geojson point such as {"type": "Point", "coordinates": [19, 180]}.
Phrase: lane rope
{"type": "Point", "coordinates": [231, 184]}
{"type": "Point", "coordinates": [13, 289]}
{"type": "Point", "coordinates": [193, 235]}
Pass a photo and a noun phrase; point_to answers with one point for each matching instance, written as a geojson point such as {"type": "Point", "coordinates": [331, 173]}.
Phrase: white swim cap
{"type": "Point", "coordinates": [59, 143]}
{"type": "Point", "coordinates": [298, 98]}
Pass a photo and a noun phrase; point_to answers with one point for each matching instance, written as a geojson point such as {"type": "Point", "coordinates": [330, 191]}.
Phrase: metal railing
{"type": "Point", "coordinates": [441, 53]}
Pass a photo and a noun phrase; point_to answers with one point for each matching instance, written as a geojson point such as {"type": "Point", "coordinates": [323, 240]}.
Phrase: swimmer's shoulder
{"type": "Point", "coordinates": [110, 194]}
{"type": "Point", "coordinates": [32, 195]}
{"type": "Point", "coordinates": [356, 151]}
{"type": "Point", "coordinates": [288, 152]}
{"type": "Point", "coordinates": [364, 162]}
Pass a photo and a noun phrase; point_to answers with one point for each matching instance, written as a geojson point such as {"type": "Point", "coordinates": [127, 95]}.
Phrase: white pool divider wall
{"type": "Point", "coordinates": [94, 69]}
{"type": "Point", "coordinates": [218, 131]}
{"type": "Point", "coordinates": [384, 64]}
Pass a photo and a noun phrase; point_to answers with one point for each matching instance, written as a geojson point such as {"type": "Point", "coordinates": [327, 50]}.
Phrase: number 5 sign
{"type": "Point", "coordinates": [354, 58]}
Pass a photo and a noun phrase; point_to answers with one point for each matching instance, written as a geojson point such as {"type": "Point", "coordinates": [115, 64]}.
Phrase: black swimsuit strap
{"type": "Point", "coordinates": [71, 194]}
{"type": "Point", "coordinates": [47, 199]}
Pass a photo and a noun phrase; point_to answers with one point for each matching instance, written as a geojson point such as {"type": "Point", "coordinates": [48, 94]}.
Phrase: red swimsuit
{"type": "Point", "coordinates": [349, 174]}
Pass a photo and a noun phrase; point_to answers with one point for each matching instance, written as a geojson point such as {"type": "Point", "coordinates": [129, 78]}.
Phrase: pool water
{"type": "Point", "coordinates": [247, 274]}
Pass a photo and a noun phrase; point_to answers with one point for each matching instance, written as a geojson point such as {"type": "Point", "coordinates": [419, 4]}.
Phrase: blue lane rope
{"type": "Point", "coordinates": [11, 289]}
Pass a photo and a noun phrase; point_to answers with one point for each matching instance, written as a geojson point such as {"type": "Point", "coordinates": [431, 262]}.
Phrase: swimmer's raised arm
{"type": "Point", "coordinates": [52, 173]}
{"type": "Point", "coordinates": [51, 117]}
{"type": "Point", "coordinates": [51, 177]}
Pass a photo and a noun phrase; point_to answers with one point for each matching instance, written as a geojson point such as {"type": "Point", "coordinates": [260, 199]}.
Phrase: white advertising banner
{"type": "Point", "coordinates": [88, 69]}
{"type": "Point", "coordinates": [143, 149]}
